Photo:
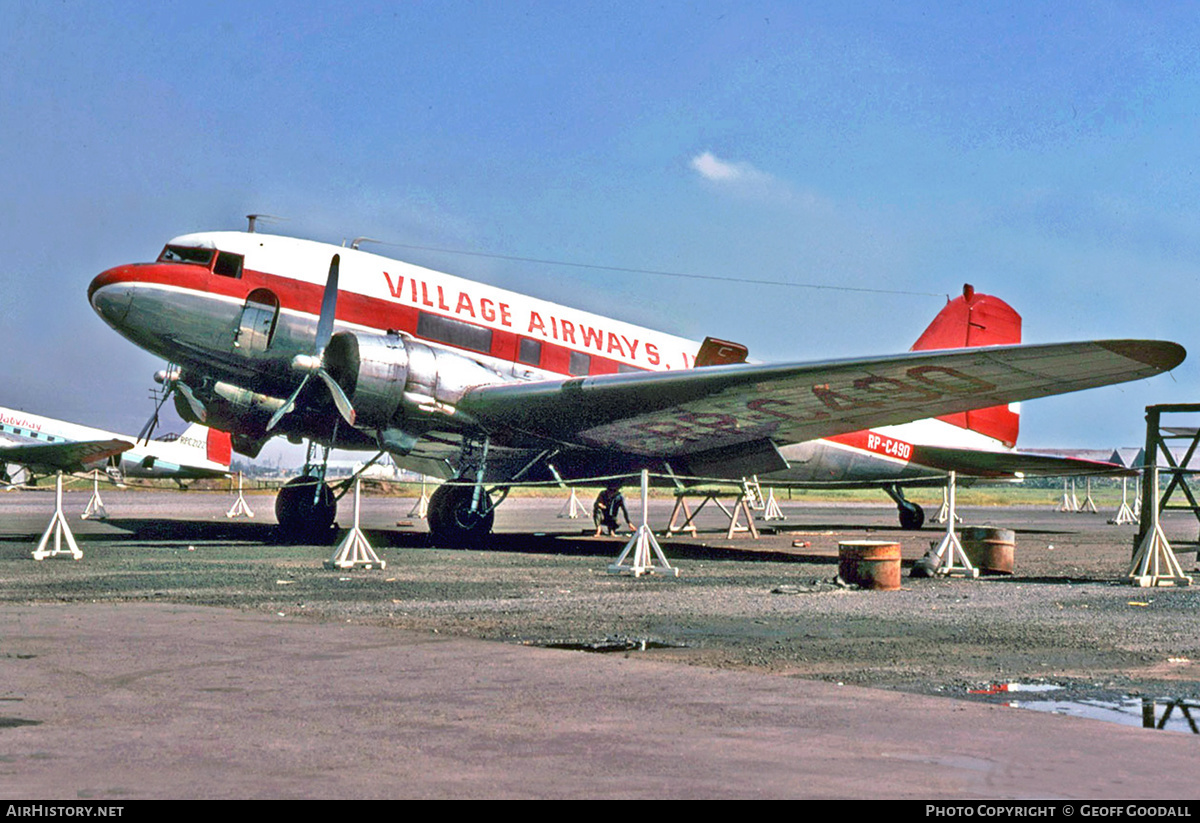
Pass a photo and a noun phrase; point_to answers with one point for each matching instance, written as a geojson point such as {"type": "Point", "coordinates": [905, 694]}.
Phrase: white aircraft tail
{"type": "Point", "coordinates": [210, 444]}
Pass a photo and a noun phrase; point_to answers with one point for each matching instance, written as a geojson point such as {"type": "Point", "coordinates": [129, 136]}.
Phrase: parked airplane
{"type": "Point", "coordinates": [488, 387]}
{"type": "Point", "coordinates": [43, 444]}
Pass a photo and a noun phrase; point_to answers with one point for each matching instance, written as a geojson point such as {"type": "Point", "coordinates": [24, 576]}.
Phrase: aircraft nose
{"type": "Point", "coordinates": [110, 295]}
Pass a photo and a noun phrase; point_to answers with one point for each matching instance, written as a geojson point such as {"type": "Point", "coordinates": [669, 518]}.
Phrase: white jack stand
{"type": "Point", "coordinates": [948, 559]}
{"type": "Point", "coordinates": [58, 525]}
{"type": "Point", "coordinates": [772, 510]}
{"type": "Point", "coordinates": [943, 514]}
{"type": "Point", "coordinates": [354, 550]}
{"type": "Point", "coordinates": [641, 543]}
{"type": "Point", "coordinates": [1088, 506]}
{"type": "Point", "coordinates": [1069, 502]}
{"type": "Point", "coordinates": [421, 507]}
{"type": "Point", "coordinates": [573, 508]}
{"type": "Point", "coordinates": [95, 508]}
{"type": "Point", "coordinates": [1124, 514]}
{"type": "Point", "coordinates": [1154, 563]}
{"type": "Point", "coordinates": [239, 509]}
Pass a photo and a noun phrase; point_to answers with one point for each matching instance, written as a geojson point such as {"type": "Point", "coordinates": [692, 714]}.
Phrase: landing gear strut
{"type": "Point", "coordinates": [912, 516]}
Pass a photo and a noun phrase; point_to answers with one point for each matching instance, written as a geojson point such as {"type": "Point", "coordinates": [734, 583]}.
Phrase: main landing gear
{"type": "Point", "coordinates": [461, 513]}
{"type": "Point", "coordinates": [306, 507]}
{"type": "Point", "coordinates": [457, 519]}
{"type": "Point", "coordinates": [912, 516]}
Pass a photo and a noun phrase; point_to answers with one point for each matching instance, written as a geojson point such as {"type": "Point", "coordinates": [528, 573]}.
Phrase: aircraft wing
{"type": "Point", "coordinates": [722, 407]}
{"type": "Point", "coordinates": [67, 457]}
{"type": "Point", "coordinates": [977, 463]}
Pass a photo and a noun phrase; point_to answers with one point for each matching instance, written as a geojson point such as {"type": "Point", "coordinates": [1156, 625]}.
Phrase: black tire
{"type": "Point", "coordinates": [912, 517]}
{"type": "Point", "coordinates": [304, 513]}
{"type": "Point", "coordinates": [452, 524]}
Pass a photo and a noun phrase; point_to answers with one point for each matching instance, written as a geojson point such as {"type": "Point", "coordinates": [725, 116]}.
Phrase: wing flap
{"type": "Point", "coordinates": [682, 412]}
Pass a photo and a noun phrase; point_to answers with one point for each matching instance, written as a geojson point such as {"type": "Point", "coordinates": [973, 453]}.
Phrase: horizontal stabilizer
{"type": "Point", "coordinates": [976, 463]}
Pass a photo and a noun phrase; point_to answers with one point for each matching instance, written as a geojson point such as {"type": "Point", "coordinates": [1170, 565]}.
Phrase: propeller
{"type": "Point", "coordinates": [169, 379]}
{"type": "Point", "coordinates": [314, 364]}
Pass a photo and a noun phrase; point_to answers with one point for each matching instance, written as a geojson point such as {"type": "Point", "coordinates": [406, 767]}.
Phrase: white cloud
{"type": "Point", "coordinates": [713, 168]}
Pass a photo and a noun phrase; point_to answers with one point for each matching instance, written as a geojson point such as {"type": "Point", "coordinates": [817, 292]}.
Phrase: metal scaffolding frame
{"type": "Point", "coordinates": [1176, 470]}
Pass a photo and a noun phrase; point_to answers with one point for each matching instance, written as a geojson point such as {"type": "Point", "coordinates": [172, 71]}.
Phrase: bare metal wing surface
{"type": "Point", "coordinates": [67, 457]}
{"type": "Point", "coordinates": [685, 412]}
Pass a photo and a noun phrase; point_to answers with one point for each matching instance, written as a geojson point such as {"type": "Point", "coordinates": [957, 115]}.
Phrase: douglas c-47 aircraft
{"type": "Point", "coordinates": [492, 389]}
{"type": "Point", "coordinates": [43, 444]}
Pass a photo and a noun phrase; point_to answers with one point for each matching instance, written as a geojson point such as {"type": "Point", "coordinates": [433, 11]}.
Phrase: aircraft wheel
{"type": "Point", "coordinates": [452, 524]}
{"type": "Point", "coordinates": [912, 517]}
{"type": "Point", "coordinates": [301, 516]}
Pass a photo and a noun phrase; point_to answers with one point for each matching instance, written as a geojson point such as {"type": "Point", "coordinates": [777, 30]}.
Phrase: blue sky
{"type": "Point", "coordinates": [1044, 152]}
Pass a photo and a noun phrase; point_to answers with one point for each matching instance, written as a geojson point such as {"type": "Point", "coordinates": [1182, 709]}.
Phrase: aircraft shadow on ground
{"type": "Point", "coordinates": [569, 545]}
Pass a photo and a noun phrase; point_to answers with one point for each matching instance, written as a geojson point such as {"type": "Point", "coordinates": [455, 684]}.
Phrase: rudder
{"type": "Point", "coordinates": [975, 319]}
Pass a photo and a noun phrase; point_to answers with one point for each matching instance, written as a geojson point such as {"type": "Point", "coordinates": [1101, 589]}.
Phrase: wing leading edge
{"type": "Point", "coordinates": [685, 412]}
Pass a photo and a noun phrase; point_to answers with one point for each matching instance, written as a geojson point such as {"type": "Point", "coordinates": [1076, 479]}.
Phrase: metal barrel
{"type": "Point", "coordinates": [989, 550]}
{"type": "Point", "coordinates": [871, 564]}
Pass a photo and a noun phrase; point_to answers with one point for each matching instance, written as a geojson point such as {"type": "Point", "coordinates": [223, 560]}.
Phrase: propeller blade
{"type": "Point", "coordinates": [328, 306]}
{"type": "Point", "coordinates": [289, 405]}
{"type": "Point", "coordinates": [197, 407]}
{"type": "Point", "coordinates": [339, 397]}
{"type": "Point", "coordinates": [148, 429]}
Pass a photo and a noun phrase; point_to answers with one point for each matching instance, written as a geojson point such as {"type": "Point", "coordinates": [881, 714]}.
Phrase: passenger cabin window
{"type": "Point", "coordinates": [530, 352]}
{"type": "Point", "coordinates": [228, 264]}
{"type": "Point", "coordinates": [186, 254]}
{"type": "Point", "coordinates": [580, 363]}
{"type": "Point", "coordinates": [454, 332]}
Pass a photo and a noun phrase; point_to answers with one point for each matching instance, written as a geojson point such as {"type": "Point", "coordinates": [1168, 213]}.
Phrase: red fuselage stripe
{"type": "Point", "coordinates": [371, 312]}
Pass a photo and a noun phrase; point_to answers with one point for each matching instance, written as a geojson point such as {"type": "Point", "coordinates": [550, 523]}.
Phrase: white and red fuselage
{"type": "Point", "coordinates": [233, 309]}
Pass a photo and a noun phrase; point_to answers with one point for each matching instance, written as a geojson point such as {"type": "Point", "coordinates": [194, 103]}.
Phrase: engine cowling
{"type": "Point", "coordinates": [390, 378]}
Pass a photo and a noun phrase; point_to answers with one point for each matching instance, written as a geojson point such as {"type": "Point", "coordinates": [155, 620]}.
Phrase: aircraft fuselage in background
{"type": "Point", "coordinates": [45, 444]}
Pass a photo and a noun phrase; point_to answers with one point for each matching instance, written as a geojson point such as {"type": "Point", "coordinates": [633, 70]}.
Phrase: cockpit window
{"type": "Point", "coordinates": [185, 254]}
{"type": "Point", "coordinates": [228, 264]}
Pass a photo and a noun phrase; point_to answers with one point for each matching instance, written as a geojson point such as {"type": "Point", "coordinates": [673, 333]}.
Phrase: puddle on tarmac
{"type": "Point", "coordinates": [1168, 714]}
{"type": "Point", "coordinates": [1149, 713]}
{"type": "Point", "coordinates": [608, 645]}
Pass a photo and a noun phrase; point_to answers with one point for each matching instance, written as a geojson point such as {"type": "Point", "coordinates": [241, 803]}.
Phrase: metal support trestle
{"type": "Point", "coordinates": [354, 550]}
{"type": "Point", "coordinates": [421, 507]}
{"type": "Point", "coordinates": [948, 558]}
{"type": "Point", "coordinates": [95, 508]}
{"type": "Point", "coordinates": [1124, 513]}
{"type": "Point", "coordinates": [1154, 563]}
{"type": "Point", "coordinates": [239, 508]}
{"type": "Point", "coordinates": [59, 527]}
{"type": "Point", "coordinates": [641, 544]}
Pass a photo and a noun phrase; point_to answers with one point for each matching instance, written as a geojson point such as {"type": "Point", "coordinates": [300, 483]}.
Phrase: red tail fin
{"type": "Point", "coordinates": [977, 320]}
{"type": "Point", "coordinates": [220, 447]}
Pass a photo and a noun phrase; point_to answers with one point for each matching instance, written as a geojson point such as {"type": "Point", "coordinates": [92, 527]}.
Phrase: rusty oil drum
{"type": "Point", "coordinates": [989, 550]}
{"type": "Point", "coordinates": [871, 564]}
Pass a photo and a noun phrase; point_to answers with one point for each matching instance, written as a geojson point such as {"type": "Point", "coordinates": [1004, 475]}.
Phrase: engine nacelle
{"type": "Point", "coordinates": [389, 378]}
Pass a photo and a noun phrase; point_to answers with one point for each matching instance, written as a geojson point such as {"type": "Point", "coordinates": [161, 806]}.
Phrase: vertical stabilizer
{"type": "Point", "coordinates": [975, 319]}
{"type": "Point", "coordinates": [212, 444]}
